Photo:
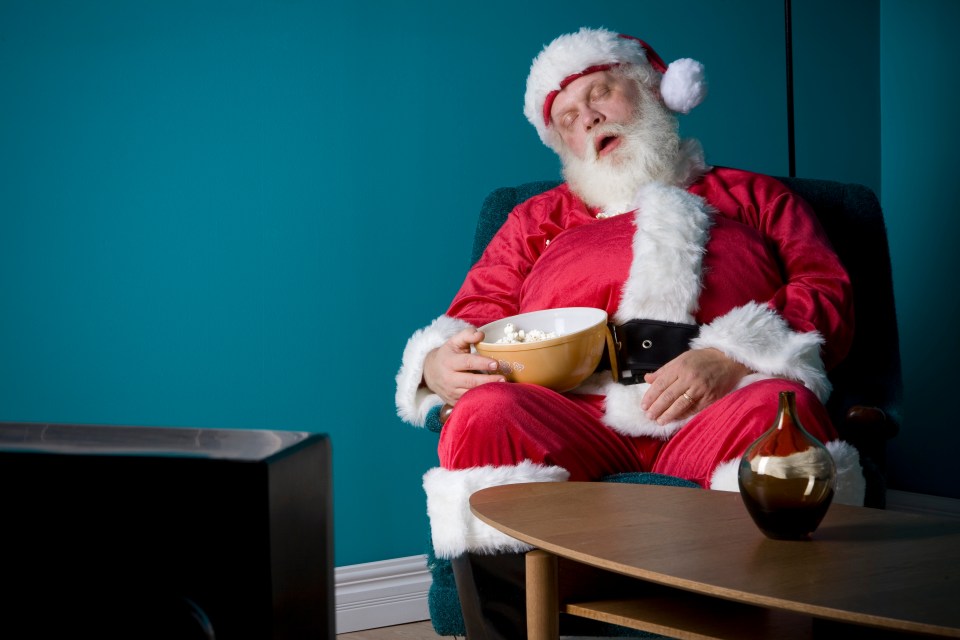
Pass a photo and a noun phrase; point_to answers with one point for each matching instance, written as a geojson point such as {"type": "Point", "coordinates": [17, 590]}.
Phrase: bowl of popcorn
{"type": "Point", "coordinates": [554, 348]}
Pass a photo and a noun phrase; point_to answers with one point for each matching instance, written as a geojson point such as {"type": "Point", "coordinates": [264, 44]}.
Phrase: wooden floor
{"type": "Point", "coordinates": [413, 631]}
{"type": "Point", "coordinates": [417, 631]}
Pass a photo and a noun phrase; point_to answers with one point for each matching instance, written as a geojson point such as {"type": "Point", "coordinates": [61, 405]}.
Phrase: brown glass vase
{"type": "Point", "coordinates": [787, 477]}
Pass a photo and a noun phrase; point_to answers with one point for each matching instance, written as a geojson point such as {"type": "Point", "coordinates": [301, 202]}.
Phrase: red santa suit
{"type": "Point", "coordinates": [736, 253]}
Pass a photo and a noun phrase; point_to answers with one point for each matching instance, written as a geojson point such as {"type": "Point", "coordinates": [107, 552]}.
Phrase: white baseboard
{"type": "Point", "coordinates": [381, 594]}
{"type": "Point", "coordinates": [389, 592]}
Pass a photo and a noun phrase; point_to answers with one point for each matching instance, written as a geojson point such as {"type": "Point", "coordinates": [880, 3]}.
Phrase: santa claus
{"type": "Point", "coordinates": [645, 229]}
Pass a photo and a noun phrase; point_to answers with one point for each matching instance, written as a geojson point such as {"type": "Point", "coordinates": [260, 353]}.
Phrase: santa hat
{"type": "Point", "coordinates": [571, 56]}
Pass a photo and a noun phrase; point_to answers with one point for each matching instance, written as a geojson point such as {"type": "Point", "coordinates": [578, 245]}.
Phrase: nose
{"type": "Point", "coordinates": [591, 118]}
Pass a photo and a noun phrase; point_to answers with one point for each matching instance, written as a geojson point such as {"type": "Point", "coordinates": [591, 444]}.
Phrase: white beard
{"type": "Point", "coordinates": [650, 150]}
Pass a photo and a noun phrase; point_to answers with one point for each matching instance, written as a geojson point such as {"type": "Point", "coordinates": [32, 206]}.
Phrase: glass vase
{"type": "Point", "coordinates": [787, 477]}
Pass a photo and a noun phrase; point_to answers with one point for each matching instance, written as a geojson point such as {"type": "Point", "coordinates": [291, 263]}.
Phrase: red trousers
{"type": "Point", "coordinates": [503, 424]}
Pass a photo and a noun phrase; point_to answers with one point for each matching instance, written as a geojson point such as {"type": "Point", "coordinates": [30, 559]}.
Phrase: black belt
{"type": "Point", "coordinates": [642, 346]}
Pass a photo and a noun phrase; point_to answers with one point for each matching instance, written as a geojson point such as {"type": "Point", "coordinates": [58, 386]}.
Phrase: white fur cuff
{"type": "Point", "coordinates": [453, 527]}
{"type": "Point", "coordinates": [623, 414]}
{"type": "Point", "coordinates": [413, 400]}
{"type": "Point", "coordinates": [758, 337]}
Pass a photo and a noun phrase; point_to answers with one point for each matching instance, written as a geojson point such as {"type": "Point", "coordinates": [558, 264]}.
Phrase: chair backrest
{"type": "Point", "coordinates": [853, 219]}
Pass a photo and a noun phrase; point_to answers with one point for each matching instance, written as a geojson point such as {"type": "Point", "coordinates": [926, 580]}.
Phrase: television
{"type": "Point", "coordinates": [165, 532]}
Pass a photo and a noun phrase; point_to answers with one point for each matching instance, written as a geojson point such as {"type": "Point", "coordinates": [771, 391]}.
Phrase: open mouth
{"type": "Point", "coordinates": [606, 144]}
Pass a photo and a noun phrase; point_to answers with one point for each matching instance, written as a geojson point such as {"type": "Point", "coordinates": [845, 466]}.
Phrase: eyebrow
{"type": "Point", "coordinates": [586, 91]}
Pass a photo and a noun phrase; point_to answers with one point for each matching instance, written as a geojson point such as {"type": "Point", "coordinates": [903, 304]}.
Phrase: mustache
{"type": "Point", "coordinates": [604, 132]}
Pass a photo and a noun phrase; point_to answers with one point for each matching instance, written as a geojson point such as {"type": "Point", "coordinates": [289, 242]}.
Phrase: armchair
{"type": "Point", "coordinates": [867, 386]}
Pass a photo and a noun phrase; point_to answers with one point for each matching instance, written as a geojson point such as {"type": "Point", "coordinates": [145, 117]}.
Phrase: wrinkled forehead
{"type": "Point", "coordinates": [574, 91]}
{"type": "Point", "coordinates": [566, 82]}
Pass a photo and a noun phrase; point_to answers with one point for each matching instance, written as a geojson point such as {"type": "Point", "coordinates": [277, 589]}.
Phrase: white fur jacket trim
{"type": "Point", "coordinates": [851, 487]}
{"type": "Point", "coordinates": [665, 274]}
{"type": "Point", "coordinates": [413, 400]}
{"type": "Point", "coordinates": [757, 336]}
{"type": "Point", "coordinates": [664, 283]}
{"type": "Point", "coordinates": [453, 527]}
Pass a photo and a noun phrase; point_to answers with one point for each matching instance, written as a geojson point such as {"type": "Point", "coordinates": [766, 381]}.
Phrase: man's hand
{"type": "Point", "coordinates": [451, 369]}
{"type": "Point", "coordinates": [688, 383]}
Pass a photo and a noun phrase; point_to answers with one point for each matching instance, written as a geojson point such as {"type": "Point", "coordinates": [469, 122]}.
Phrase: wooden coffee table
{"type": "Point", "coordinates": [705, 570]}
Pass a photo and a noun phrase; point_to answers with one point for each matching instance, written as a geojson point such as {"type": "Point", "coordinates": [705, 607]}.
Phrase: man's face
{"type": "Point", "coordinates": [587, 103]}
{"type": "Point", "coordinates": [615, 136]}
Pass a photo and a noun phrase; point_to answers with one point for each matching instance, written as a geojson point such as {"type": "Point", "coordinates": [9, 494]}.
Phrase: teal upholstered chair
{"type": "Point", "coordinates": [867, 386]}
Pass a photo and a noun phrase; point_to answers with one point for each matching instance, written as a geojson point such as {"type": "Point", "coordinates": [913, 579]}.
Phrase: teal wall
{"type": "Point", "coordinates": [837, 90]}
{"type": "Point", "coordinates": [233, 214]}
{"type": "Point", "coordinates": [920, 98]}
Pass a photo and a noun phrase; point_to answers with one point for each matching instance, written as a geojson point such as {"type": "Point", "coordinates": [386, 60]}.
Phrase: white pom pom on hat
{"type": "Point", "coordinates": [682, 84]}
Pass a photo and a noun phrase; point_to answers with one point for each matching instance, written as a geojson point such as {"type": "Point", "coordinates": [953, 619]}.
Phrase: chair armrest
{"type": "Point", "coordinates": [867, 423]}
{"type": "Point", "coordinates": [436, 417]}
{"type": "Point", "coordinates": [868, 428]}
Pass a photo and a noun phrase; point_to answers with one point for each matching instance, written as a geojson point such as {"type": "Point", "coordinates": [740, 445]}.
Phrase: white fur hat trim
{"type": "Point", "coordinates": [682, 84]}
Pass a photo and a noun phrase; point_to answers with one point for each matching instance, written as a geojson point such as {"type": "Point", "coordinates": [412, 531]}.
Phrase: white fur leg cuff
{"type": "Point", "coordinates": [851, 487]}
{"type": "Point", "coordinates": [726, 476]}
{"type": "Point", "coordinates": [453, 527]}
{"type": "Point", "coordinates": [758, 337]}
{"type": "Point", "coordinates": [413, 400]}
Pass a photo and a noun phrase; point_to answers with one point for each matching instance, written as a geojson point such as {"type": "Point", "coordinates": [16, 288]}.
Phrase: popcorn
{"type": "Point", "coordinates": [512, 335]}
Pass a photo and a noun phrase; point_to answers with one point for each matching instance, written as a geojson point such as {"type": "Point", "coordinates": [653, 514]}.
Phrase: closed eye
{"type": "Point", "coordinates": [599, 92]}
{"type": "Point", "coordinates": [568, 119]}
